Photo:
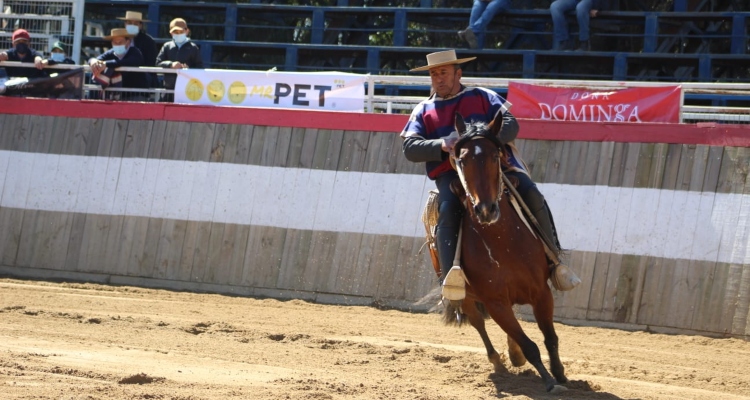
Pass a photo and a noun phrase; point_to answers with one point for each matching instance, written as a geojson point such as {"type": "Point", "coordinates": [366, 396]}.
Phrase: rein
{"type": "Point", "coordinates": [457, 165]}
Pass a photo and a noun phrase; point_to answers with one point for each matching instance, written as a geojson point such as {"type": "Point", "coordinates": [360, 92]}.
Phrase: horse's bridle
{"type": "Point", "coordinates": [457, 165]}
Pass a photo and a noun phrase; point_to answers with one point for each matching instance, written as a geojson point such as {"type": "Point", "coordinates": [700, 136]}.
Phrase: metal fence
{"type": "Point", "coordinates": [47, 22]}
{"type": "Point", "coordinates": [378, 102]}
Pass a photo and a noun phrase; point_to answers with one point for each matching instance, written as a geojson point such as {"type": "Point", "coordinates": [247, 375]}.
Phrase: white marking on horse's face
{"type": "Point", "coordinates": [477, 150]}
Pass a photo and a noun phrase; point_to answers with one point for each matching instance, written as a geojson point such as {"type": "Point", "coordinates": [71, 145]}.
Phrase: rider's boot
{"type": "Point", "coordinates": [451, 277]}
{"type": "Point", "coordinates": [562, 277]}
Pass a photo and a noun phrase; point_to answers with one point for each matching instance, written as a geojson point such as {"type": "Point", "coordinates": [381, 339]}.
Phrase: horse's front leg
{"type": "Point", "coordinates": [476, 317]}
{"type": "Point", "coordinates": [503, 316]}
{"type": "Point", "coordinates": [543, 312]}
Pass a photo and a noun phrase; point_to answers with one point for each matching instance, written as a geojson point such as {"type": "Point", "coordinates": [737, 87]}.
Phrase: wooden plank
{"type": "Point", "coordinates": [263, 257]}
{"type": "Point", "coordinates": [215, 270]}
{"type": "Point", "coordinates": [294, 258]}
{"type": "Point", "coordinates": [538, 165]}
{"type": "Point", "coordinates": [618, 164]}
{"type": "Point", "coordinates": [353, 151]}
{"type": "Point", "coordinates": [606, 163]}
{"type": "Point", "coordinates": [591, 163]}
{"type": "Point", "coordinates": [271, 138]}
{"type": "Point", "coordinates": [236, 261]}
{"type": "Point", "coordinates": [554, 162]}
{"type": "Point", "coordinates": [371, 163]}
{"type": "Point", "coordinates": [256, 146]}
{"type": "Point", "coordinates": [686, 167]}
{"type": "Point", "coordinates": [11, 220]}
{"type": "Point", "coordinates": [320, 266]}
{"type": "Point", "coordinates": [320, 154]}
{"type": "Point", "coordinates": [178, 186]}
{"type": "Point", "coordinates": [679, 304]}
{"type": "Point", "coordinates": [644, 167]}
{"type": "Point", "coordinates": [713, 169]}
{"type": "Point", "coordinates": [574, 304]}
{"type": "Point", "coordinates": [574, 166]}
{"type": "Point", "coordinates": [106, 256]}
{"type": "Point", "coordinates": [131, 187]}
{"type": "Point", "coordinates": [308, 148]}
{"type": "Point", "coordinates": [283, 142]}
{"type": "Point", "coordinates": [296, 141]}
{"type": "Point", "coordinates": [333, 154]}
{"type": "Point", "coordinates": [146, 230]}
{"type": "Point", "coordinates": [654, 283]}
{"type": "Point", "coordinates": [344, 278]}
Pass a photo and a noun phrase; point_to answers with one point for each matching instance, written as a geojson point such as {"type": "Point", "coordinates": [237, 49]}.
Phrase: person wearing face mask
{"type": "Point", "coordinates": [57, 55]}
{"type": "Point", "coordinates": [21, 52]}
{"type": "Point", "coordinates": [178, 53]}
{"type": "Point", "coordinates": [142, 40]}
{"type": "Point", "coordinates": [122, 54]}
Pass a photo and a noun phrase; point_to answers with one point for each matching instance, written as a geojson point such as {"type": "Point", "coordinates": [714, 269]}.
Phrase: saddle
{"type": "Point", "coordinates": [430, 218]}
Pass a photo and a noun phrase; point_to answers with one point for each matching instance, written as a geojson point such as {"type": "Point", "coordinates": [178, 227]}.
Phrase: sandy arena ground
{"type": "Point", "coordinates": [86, 341]}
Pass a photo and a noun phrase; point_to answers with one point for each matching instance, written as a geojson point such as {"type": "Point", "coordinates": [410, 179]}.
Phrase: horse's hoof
{"type": "Point", "coordinates": [557, 389]}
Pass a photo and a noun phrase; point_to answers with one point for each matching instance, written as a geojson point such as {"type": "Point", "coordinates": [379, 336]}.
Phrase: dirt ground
{"type": "Point", "coordinates": [87, 341]}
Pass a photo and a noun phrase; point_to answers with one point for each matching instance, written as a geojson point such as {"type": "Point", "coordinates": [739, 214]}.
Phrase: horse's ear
{"type": "Point", "coordinates": [496, 124]}
{"type": "Point", "coordinates": [460, 124]}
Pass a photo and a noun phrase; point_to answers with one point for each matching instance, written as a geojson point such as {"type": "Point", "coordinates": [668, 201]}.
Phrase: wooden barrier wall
{"type": "Point", "coordinates": [293, 204]}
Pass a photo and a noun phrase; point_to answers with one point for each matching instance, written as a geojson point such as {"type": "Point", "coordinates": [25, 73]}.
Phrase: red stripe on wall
{"type": "Point", "coordinates": [706, 134]}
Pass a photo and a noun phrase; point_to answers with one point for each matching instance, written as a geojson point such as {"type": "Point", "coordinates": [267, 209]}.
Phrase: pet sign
{"type": "Point", "coordinates": [329, 91]}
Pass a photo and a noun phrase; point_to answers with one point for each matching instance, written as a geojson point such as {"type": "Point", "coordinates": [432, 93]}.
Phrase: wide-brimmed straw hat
{"type": "Point", "coordinates": [118, 32]}
{"type": "Point", "coordinates": [441, 58]}
{"type": "Point", "coordinates": [133, 16]}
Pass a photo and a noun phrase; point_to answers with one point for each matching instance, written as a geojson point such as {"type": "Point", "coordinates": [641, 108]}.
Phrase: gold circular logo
{"type": "Point", "coordinates": [194, 89]}
{"type": "Point", "coordinates": [215, 90]}
{"type": "Point", "coordinates": [237, 92]}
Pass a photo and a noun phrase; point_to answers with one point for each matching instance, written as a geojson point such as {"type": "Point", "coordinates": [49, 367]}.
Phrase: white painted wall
{"type": "Point", "coordinates": [661, 223]}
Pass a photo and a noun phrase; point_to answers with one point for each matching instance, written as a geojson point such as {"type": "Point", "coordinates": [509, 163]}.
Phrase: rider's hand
{"type": "Point", "coordinates": [448, 144]}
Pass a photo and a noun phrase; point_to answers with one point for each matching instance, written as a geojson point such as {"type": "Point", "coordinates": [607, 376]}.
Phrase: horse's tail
{"type": "Point", "coordinates": [454, 313]}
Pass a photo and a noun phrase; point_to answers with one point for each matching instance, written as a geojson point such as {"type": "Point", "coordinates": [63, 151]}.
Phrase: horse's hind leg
{"type": "Point", "coordinates": [476, 319]}
{"type": "Point", "coordinates": [543, 312]}
{"type": "Point", "coordinates": [515, 353]}
{"type": "Point", "coordinates": [503, 315]}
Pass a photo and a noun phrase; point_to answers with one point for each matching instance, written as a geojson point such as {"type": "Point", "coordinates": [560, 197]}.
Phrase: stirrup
{"type": "Point", "coordinates": [563, 278]}
{"type": "Point", "coordinates": [454, 284]}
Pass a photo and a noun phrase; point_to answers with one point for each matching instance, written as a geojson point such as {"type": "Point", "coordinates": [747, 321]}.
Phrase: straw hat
{"type": "Point", "coordinates": [177, 23]}
{"type": "Point", "coordinates": [133, 16]}
{"type": "Point", "coordinates": [118, 32]}
{"type": "Point", "coordinates": [441, 58]}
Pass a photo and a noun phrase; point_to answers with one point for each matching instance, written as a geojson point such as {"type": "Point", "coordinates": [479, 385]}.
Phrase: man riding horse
{"type": "Point", "coordinates": [429, 137]}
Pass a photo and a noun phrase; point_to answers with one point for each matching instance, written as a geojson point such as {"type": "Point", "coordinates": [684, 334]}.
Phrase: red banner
{"type": "Point", "coordinates": [642, 104]}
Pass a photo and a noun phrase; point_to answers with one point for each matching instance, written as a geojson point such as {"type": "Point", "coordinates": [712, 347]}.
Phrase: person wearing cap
{"type": "Point", "coordinates": [428, 137]}
{"type": "Point", "coordinates": [481, 15]}
{"type": "Point", "coordinates": [58, 56]}
{"type": "Point", "coordinates": [122, 54]}
{"type": "Point", "coordinates": [178, 53]}
{"type": "Point", "coordinates": [21, 52]}
{"type": "Point", "coordinates": [142, 40]}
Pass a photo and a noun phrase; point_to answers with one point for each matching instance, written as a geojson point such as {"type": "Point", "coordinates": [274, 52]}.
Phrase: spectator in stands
{"type": "Point", "coordinates": [122, 54]}
{"type": "Point", "coordinates": [142, 40]}
{"type": "Point", "coordinates": [178, 53]}
{"type": "Point", "coordinates": [21, 52]}
{"type": "Point", "coordinates": [481, 15]}
{"type": "Point", "coordinates": [428, 138]}
{"type": "Point", "coordinates": [58, 56]}
{"type": "Point", "coordinates": [585, 9]}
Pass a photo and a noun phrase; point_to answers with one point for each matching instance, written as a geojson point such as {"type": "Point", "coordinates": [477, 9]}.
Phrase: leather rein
{"type": "Point", "coordinates": [458, 166]}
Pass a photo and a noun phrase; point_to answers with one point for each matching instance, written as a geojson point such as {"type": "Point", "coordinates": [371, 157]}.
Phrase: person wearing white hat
{"type": "Point", "coordinates": [142, 40]}
{"type": "Point", "coordinates": [429, 138]}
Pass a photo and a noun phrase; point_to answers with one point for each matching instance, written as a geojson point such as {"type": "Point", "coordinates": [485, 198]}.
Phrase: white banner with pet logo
{"type": "Point", "coordinates": [329, 91]}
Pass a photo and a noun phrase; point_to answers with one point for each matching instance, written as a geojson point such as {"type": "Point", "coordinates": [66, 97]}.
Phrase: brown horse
{"type": "Point", "coordinates": [504, 262]}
